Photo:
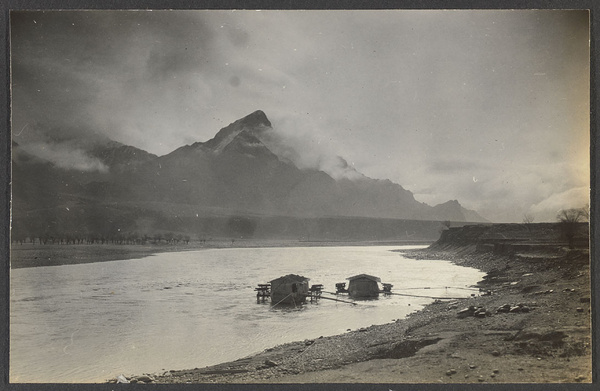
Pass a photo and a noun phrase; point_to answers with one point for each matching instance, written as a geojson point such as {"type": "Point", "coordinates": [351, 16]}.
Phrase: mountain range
{"type": "Point", "coordinates": [241, 173]}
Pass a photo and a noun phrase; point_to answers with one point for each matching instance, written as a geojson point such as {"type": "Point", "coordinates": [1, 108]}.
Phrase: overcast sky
{"type": "Point", "coordinates": [487, 107]}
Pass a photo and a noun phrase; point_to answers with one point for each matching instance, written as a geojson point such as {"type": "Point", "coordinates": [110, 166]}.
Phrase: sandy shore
{"type": "Point", "coordinates": [533, 325]}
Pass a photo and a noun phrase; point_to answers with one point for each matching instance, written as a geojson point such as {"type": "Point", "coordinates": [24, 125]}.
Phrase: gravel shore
{"type": "Point", "coordinates": [531, 323]}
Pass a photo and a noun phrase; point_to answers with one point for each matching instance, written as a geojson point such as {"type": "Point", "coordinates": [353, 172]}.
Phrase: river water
{"type": "Point", "coordinates": [91, 322]}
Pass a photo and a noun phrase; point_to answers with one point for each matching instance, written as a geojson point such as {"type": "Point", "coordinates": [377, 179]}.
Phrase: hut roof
{"type": "Point", "coordinates": [367, 276]}
{"type": "Point", "coordinates": [290, 278]}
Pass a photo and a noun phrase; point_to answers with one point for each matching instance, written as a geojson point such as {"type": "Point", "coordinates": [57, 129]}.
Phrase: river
{"type": "Point", "coordinates": [91, 322]}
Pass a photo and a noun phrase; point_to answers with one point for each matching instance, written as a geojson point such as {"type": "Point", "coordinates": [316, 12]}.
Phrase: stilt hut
{"type": "Point", "coordinates": [363, 286]}
{"type": "Point", "coordinates": [290, 289]}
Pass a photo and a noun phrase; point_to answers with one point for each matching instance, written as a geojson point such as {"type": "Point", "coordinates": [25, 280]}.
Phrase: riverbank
{"type": "Point", "coordinates": [531, 323]}
{"type": "Point", "coordinates": [32, 255]}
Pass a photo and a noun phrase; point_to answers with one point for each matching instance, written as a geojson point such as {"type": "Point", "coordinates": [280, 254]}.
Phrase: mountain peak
{"type": "Point", "coordinates": [452, 210]}
{"type": "Point", "coordinates": [256, 119]}
{"type": "Point", "coordinates": [452, 202]}
{"type": "Point", "coordinates": [253, 123]}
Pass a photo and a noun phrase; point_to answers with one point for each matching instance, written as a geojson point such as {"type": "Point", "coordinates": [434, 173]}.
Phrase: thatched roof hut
{"type": "Point", "coordinates": [363, 286]}
{"type": "Point", "coordinates": [289, 289]}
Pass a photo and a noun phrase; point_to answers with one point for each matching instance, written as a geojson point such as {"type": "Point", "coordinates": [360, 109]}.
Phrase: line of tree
{"type": "Point", "coordinates": [18, 237]}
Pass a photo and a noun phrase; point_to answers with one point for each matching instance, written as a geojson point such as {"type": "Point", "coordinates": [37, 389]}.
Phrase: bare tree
{"type": "Point", "coordinates": [528, 218]}
{"type": "Point", "coordinates": [568, 219]}
{"type": "Point", "coordinates": [585, 211]}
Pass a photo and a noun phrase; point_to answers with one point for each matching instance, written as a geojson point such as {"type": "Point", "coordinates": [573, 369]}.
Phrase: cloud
{"type": "Point", "coordinates": [479, 106]}
{"type": "Point", "coordinates": [547, 209]}
{"type": "Point", "coordinates": [294, 138]}
{"type": "Point", "coordinates": [65, 156]}
{"type": "Point", "coordinates": [111, 72]}
{"type": "Point", "coordinates": [501, 194]}
{"type": "Point", "coordinates": [455, 165]}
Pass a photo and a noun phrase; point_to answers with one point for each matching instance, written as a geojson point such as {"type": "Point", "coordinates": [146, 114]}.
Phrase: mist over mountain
{"type": "Point", "coordinates": [244, 171]}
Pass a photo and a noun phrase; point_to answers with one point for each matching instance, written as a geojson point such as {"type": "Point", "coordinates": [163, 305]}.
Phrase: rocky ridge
{"type": "Point", "coordinates": [238, 174]}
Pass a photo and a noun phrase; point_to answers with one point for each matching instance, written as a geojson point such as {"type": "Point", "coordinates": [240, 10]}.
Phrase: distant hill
{"type": "Point", "coordinates": [236, 174]}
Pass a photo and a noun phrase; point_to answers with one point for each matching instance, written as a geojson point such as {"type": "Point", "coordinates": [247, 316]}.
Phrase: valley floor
{"type": "Point", "coordinates": [533, 326]}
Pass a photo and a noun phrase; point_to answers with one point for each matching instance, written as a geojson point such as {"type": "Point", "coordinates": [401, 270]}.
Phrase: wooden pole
{"type": "Point", "coordinates": [426, 297]}
{"type": "Point", "coordinates": [439, 287]}
{"type": "Point", "coordinates": [341, 301]}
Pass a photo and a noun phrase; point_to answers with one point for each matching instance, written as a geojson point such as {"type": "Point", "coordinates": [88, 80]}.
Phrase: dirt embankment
{"type": "Point", "coordinates": [530, 324]}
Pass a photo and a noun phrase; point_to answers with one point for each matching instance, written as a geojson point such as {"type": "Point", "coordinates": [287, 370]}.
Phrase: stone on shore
{"type": "Point", "coordinates": [270, 363]}
{"type": "Point", "coordinates": [144, 378]}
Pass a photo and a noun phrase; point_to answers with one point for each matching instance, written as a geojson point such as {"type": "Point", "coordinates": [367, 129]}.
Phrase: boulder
{"type": "Point", "coordinates": [271, 363]}
{"type": "Point", "coordinates": [520, 307]}
{"type": "Point", "coordinates": [503, 308]}
{"type": "Point", "coordinates": [478, 312]}
{"type": "Point", "coordinates": [144, 378]}
{"type": "Point", "coordinates": [465, 312]}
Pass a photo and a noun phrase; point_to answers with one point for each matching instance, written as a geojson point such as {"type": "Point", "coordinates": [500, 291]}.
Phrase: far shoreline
{"type": "Point", "coordinates": [36, 255]}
